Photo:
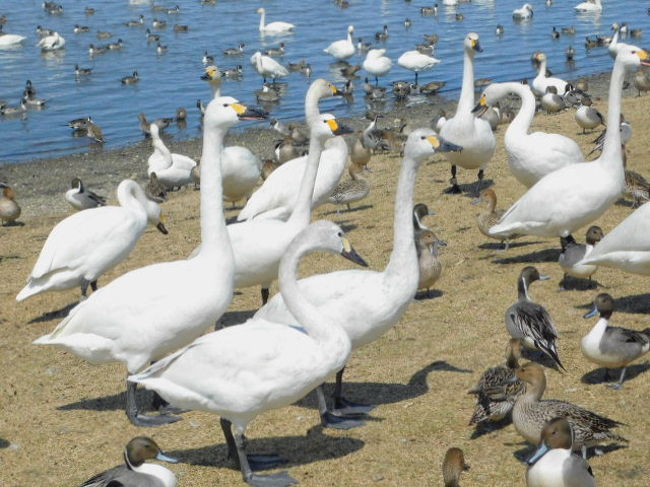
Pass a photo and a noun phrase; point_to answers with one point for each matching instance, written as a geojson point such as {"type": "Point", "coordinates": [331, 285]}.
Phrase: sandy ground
{"type": "Point", "coordinates": [63, 420]}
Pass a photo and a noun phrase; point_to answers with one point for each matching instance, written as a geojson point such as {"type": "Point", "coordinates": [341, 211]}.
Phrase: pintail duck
{"type": "Point", "coordinates": [495, 391]}
{"type": "Point", "coordinates": [587, 117]}
{"type": "Point", "coordinates": [234, 73]}
{"type": "Point", "coordinates": [354, 189]}
{"type": "Point", "coordinates": [382, 35]}
{"type": "Point", "coordinates": [570, 53]}
{"type": "Point", "coordinates": [181, 114]}
{"type": "Point", "coordinates": [570, 31]}
{"type": "Point", "coordinates": [151, 37]}
{"type": "Point", "coordinates": [642, 81]}
{"type": "Point", "coordinates": [130, 80]}
{"type": "Point", "coordinates": [427, 246]}
{"type": "Point", "coordinates": [531, 413]}
{"type": "Point", "coordinates": [529, 321]}
{"type": "Point", "coordinates": [452, 466]}
{"type": "Point", "coordinates": [573, 253]}
{"type": "Point", "coordinates": [115, 46]}
{"type": "Point", "coordinates": [79, 124]}
{"type": "Point", "coordinates": [80, 198]}
{"type": "Point", "coordinates": [103, 34]}
{"type": "Point", "coordinates": [155, 190]}
{"type": "Point", "coordinates": [499, 30]}
{"type": "Point", "coordinates": [9, 111]}
{"type": "Point", "coordinates": [158, 24]}
{"type": "Point", "coordinates": [135, 471]}
{"type": "Point", "coordinates": [275, 51]}
{"type": "Point", "coordinates": [160, 49]}
{"type": "Point", "coordinates": [420, 210]}
{"type": "Point", "coordinates": [174, 11]}
{"type": "Point", "coordinates": [82, 71]}
{"type": "Point", "coordinates": [135, 23]}
{"type": "Point", "coordinates": [612, 346]}
{"type": "Point", "coordinates": [9, 209]}
{"type": "Point", "coordinates": [552, 102]}
{"type": "Point", "coordinates": [236, 51]}
{"type": "Point", "coordinates": [44, 32]}
{"type": "Point", "coordinates": [78, 29]}
{"type": "Point", "coordinates": [491, 216]}
{"type": "Point", "coordinates": [554, 463]}
{"type": "Point", "coordinates": [89, 11]}
{"type": "Point", "coordinates": [94, 50]}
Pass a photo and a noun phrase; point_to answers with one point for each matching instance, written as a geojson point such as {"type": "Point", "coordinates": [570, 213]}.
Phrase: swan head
{"type": "Point", "coordinates": [155, 215]}
{"type": "Point", "coordinates": [632, 56]}
{"type": "Point", "coordinates": [540, 57]}
{"type": "Point", "coordinates": [350, 29]}
{"type": "Point", "coordinates": [424, 142]}
{"type": "Point", "coordinates": [327, 236]}
{"type": "Point", "coordinates": [472, 43]}
{"type": "Point", "coordinates": [260, 10]}
{"type": "Point", "coordinates": [603, 304]}
{"type": "Point", "coordinates": [326, 126]}
{"type": "Point", "coordinates": [211, 73]}
{"type": "Point", "coordinates": [143, 448]}
{"type": "Point", "coordinates": [226, 111]}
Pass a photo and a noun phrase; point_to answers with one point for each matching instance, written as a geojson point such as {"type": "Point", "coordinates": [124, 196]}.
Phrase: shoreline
{"type": "Point", "coordinates": [41, 183]}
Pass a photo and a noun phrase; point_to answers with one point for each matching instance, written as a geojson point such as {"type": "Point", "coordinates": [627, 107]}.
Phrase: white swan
{"type": "Point", "coordinates": [276, 197]}
{"type": "Point", "coordinates": [368, 303]}
{"type": "Point", "coordinates": [576, 195]}
{"type": "Point", "coordinates": [241, 170]}
{"type": "Point", "coordinates": [10, 40]}
{"type": "Point", "coordinates": [416, 62]}
{"type": "Point", "coordinates": [52, 42]}
{"type": "Point", "coordinates": [523, 13]}
{"type": "Point", "coordinates": [473, 134]}
{"type": "Point", "coordinates": [277, 27]}
{"type": "Point", "coordinates": [589, 6]}
{"type": "Point", "coordinates": [615, 44]}
{"type": "Point", "coordinates": [530, 156]}
{"type": "Point", "coordinates": [153, 311]}
{"type": "Point", "coordinates": [172, 169]}
{"type": "Point", "coordinates": [342, 49]}
{"type": "Point", "coordinates": [241, 371]}
{"type": "Point", "coordinates": [541, 81]}
{"type": "Point", "coordinates": [266, 66]}
{"type": "Point", "coordinates": [627, 246]}
{"type": "Point", "coordinates": [376, 63]}
{"type": "Point", "coordinates": [83, 246]}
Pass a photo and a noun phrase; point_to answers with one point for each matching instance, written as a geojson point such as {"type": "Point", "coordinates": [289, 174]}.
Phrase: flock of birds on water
{"type": "Point", "coordinates": [153, 319]}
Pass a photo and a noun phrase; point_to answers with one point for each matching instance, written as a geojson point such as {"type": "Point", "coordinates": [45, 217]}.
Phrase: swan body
{"type": "Point", "coordinates": [542, 82]}
{"type": "Point", "coordinates": [258, 365]}
{"type": "Point", "coordinates": [277, 27]}
{"type": "Point", "coordinates": [627, 246]}
{"type": "Point", "coordinates": [241, 171]}
{"type": "Point", "coordinates": [10, 40]}
{"type": "Point", "coordinates": [473, 134]}
{"type": "Point", "coordinates": [342, 49]}
{"type": "Point", "coordinates": [589, 6]}
{"type": "Point", "coordinates": [523, 13]}
{"type": "Point", "coordinates": [82, 199]}
{"type": "Point", "coordinates": [416, 62]}
{"type": "Point", "coordinates": [368, 303]}
{"type": "Point", "coordinates": [83, 246]}
{"type": "Point", "coordinates": [530, 156]}
{"type": "Point", "coordinates": [267, 66]}
{"type": "Point", "coordinates": [376, 63]}
{"type": "Point", "coordinates": [52, 42]}
{"type": "Point", "coordinates": [154, 310]}
{"type": "Point", "coordinates": [574, 196]}
{"type": "Point", "coordinates": [276, 197]}
{"type": "Point", "coordinates": [172, 169]}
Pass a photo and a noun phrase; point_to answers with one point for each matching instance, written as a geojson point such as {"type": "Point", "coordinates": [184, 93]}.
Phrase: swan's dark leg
{"type": "Point", "coordinates": [265, 295]}
{"type": "Point", "coordinates": [330, 420]}
{"type": "Point", "coordinates": [138, 419]}
{"type": "Point", "coordinates": [341, 405]}
{"type": "Point", "coordinates": [84, 289]}
{"type": "Point", "coordinates": [93, 285]}
{"type": "Point", "coordinates": [480, 176]}
{"type": "Point", "coordinates": [455, 189]}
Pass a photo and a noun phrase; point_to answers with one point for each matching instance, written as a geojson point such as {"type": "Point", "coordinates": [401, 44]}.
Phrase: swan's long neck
{"type": "Point", "coordinates": [350, 39]}
{"type": "Point", "coordinates": [541, 73]}
{"type": "Point", "coordinates": [130, 195]}
{"type": "Point", "coordinates": [306, 314]}
{"type": "Point", "coordinates": [312, 112]}
{"type": "Point", "coordinates": [403, 258]}
{"type": "Point", "coordinates": [302, 208]}
{"type": "Point", "coordinates": [466, 101]}
{"type": "Point", "coordinates": [521, 123]}
{"type": "Point", "coordinates": [214, 236]}
{"type": "Point", "coordinates": [262, 20]}
{"type": "Point", "coordinates": [612, 143]}
{"type": "Point", "coordinates": [614, 41]}
{"type": "Point", "coordinates": [160, 147]}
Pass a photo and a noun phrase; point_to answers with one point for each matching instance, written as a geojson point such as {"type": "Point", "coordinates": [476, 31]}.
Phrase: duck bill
{"type": "Point", "coordinates": [448, 147]}
{"type": "Point", "coordinates": [476, 201]}
{"type": "Point", "coordinates": [544, 277]}
{"type": "Point", "coordinates": [441, 243]}
{"type": "Point", "coordinates": [539, 453]}
{"type": "Point", "coordinates": [253, 114]}
{"type": "Point", "coordinates": [165, 458]}
{"type": "Point", "coordinates": [162, 228]}
{"type": "Point", "coordinates": [591, 314]}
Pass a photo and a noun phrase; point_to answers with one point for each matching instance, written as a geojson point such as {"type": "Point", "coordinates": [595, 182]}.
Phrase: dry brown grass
{"type": "Point", "coordinates": [67, 419]}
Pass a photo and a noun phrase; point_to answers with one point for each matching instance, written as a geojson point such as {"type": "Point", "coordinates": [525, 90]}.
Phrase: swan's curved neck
{"type": "Point", "coordinates": [350, 39]}
{"type": "Point", "coordinates": [541, 72]}
{"type": "Point", "coordinates": [466, 101]}
{"type": "Point", "coordinates": [615, 37]}
{"type": "Point", "coordinates": [130, 195]}
{"type": "Point", "coordinates": [403, 258]}
{"type": "Point", "coordinates": [214, 236]}
{"type": "Point", "coordinates": [302, 208]}
{"type": "Point", "coordinates": [612, 142]}
{"type": "Point", "coordinates": [160, 147]}
{"type": "Point", "coordinates": [262, 20]}
{"type": "Point", "coordinates": [521, 122]}
{"type": "Point", "coordinates": [306, 314]}
{"type": "Point", "coordinates": [312, 112]}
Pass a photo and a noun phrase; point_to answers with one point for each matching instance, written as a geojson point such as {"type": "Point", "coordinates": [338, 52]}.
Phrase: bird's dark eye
{"type": "Point", "coordinates": [340, 234]}
{"type": "Point", "coordinates": [423, 137]}
{"type": "Point", "coordinates": [225, 104]}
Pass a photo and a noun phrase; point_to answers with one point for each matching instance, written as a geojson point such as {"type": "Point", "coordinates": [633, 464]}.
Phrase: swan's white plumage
{"type": "Point", "coordinates": [172, 169]}
{"type": "Point", "coordinates": [277, 27]}
{"type": "Point", "coordinates": [342, 49]}
{"type": "Point", "coordinates": [541, 82]}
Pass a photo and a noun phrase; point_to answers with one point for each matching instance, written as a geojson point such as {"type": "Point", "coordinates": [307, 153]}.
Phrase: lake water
{"type": "Point", "coordinates": [172, 79]}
